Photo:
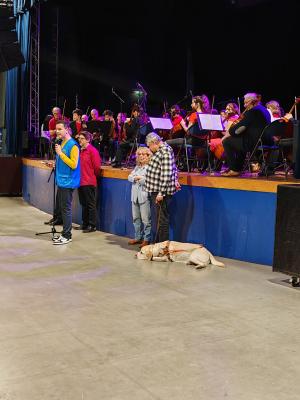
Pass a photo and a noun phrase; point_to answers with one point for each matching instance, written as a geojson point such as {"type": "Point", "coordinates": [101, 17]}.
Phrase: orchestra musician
{"type": "Point", "coordinates": [177, 133]}
{"type": "Point", "coordinates": [119, 128]}
{"type": "Point", "coordinates": [195, 135]}
{"type": "Point", "coordinates": [244, 133]}
{"type": "Point", "coordinates": [57, 116]}
{"type": "Point", "coordinates": [131, 129]}
{"type": "Point", "coordinates": [84, 121]}
{"type": "Point", "coordinates": [230, 114]}
{"type": "Point", "coordinates": [108, 139]}
{"type": "Point", "coordinates": [76, 124]}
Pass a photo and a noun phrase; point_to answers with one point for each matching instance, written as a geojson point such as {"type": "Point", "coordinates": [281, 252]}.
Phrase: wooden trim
{"type": "Point", "coordinates": [254, 184]}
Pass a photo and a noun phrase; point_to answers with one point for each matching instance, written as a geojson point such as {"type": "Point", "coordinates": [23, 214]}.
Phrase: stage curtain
{"type": "Point", "coordinates": [17, 84]}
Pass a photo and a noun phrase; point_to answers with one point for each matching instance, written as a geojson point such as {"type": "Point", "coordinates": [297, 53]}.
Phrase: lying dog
{"type": "Point", "coordinates": [189, 253]}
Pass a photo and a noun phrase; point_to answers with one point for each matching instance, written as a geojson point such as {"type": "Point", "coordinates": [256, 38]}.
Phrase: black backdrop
{"type": "Point", "coordinates": [222, 48]}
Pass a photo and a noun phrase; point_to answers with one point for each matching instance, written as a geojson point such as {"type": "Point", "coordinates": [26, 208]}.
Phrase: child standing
{"type": "Point", "coordinates": [140, 200]}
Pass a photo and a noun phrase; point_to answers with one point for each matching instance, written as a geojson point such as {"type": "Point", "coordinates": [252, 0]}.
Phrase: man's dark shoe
{"type": "Point", "coordinates": [144, 243]}
{"type": "Point", "coordinates": [54, 222]}
{"type": "Point", "coordinates": [135, 241]}
{"type": "Point", "coordinates": [49, 222]}
{"type": "Point", "coordinates": [116, 165]}
{"type": "Point", "coordinates": [80, 227]}
{"type": "Point", "coordinates": [89, 229]}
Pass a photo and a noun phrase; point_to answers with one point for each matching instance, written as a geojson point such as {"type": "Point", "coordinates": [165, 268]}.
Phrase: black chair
{"type": "Point", "coordinates": [270, 147]}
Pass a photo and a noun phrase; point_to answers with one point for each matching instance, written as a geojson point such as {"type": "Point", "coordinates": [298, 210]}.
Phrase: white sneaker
{"type": "Point", "coordinates": [62, 240]}
{"type": "Point", "coordinates": [56, 237]}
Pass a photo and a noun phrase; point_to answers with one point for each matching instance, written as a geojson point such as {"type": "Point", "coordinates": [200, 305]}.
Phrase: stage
{"type": "Point", "coordinates": [232, 217]}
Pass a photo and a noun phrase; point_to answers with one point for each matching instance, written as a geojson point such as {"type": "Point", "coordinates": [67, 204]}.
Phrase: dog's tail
{"type": "Point", "coordinates": [214, 261]}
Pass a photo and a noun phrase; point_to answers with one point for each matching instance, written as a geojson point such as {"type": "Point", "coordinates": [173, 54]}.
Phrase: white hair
{"type": "Point", "coordinates": [152, 137]}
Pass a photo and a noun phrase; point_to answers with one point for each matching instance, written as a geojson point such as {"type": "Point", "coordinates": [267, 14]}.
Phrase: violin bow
{"type": "Point", "coordinates": [212, 103]}
{"type": "Point", "coordinates": [239, 104]}
{"type": "Point", "coordinates": [63, 114]}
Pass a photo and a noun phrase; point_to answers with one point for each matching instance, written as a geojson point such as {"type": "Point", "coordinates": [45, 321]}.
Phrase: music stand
{"type": "Point", "coordinates": [161, 123]}
{"type": "Point", "coordinates": [209, 122]}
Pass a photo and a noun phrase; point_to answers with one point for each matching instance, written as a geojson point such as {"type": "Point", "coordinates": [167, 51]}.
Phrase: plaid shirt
{"type": "Point", "coordinates": [162, 172]}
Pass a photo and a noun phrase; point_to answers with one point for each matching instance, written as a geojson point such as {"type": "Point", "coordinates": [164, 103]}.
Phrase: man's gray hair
{"type": "Point", "coordinates": [153, 137]}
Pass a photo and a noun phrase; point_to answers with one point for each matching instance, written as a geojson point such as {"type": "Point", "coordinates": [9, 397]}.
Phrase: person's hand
{"type": "Point", "coordinates": [159, 198]}
{"type": "Point", "coordinates": [58, 149]}
{"type": "Point", "coordinates": [225, 136]}
{"type": "Point", "coordinates": [288, 116]}
{"type": "Point", "coordinates": [50, 163]}
{"type": "Point", "coordinates": [177, 186]}
{"type": "Point", "coordinates": [137, 178]}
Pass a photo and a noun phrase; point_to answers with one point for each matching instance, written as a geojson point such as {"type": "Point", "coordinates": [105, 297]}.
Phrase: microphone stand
{"type": "Point", "coordinates": [144, 98]}
{"type": "Point", "coordinates": [119, 98]}
{"type": "Point", "coordinates": [182, 100]}
{"type": "Point", "coordinates": [53, 230]}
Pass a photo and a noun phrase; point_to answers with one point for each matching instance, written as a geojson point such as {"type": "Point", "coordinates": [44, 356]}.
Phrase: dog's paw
{"type": "Point", "coordinates": [200, 266]}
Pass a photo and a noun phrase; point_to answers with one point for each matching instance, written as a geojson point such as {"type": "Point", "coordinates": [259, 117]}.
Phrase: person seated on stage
{"type": "Point", "coordinates": [244, 134]}
{"type": "Point", "coordinates": [56, 111]}
{"type": "Point", "coordinates": [177, 133]}
{"type": "Point", "coordinates": [231, 114]}
{"type": "Point", "coordinates": [144, 127]}
{"type": "Point", "coordinates": [95, 115]}
{"type": "Point", "coordinates": [177, 121]}
{"type": "Point", "coordinates": [76, 124]}
{"type": "Point", "coordinates": [93, 126]}
{"type": "Point", "coordinates": [90, 165]}
{"type": "Point", "coordinates": [84, 121]}
{"type": "Point", "coordinates": [131, 128]}
{"type": "Point", "coordinates": [195, 135]}
{"type": "Point", "coordinates": [119, 128]}
{"type": "Point", "coordinates": [274, 109]}
{"type": "Point", "coordinates": [140, 199]}
{"type": "Point", "coordinates": [45, 137]}
{"type": "Point", "coordinates": [110, 140]}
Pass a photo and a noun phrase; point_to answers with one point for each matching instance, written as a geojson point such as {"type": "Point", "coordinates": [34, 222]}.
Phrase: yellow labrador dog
{"type": "Point", "coordinates": [188, 253]}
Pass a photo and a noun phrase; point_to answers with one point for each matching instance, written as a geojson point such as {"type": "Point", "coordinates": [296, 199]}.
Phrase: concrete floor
{"type": "Point", "coordinates": [87, 321]}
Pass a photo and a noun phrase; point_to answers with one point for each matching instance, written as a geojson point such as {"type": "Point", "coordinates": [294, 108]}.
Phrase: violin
{"type": "Point", "coordinates": [297, 101]}
{"type": "Point", "coordinates": [252, 104]}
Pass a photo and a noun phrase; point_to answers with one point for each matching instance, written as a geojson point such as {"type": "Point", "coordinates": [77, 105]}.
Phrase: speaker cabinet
{"type": "Point", "coordinates": [10, 50]}
{"type": "Point", "coordinates": [10, 56]}
{"type": "Point", "coordinates": [287, 230]}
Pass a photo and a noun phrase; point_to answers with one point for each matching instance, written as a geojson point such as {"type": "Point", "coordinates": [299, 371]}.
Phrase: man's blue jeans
{"type": "Point", "coordinates": [65, 199]}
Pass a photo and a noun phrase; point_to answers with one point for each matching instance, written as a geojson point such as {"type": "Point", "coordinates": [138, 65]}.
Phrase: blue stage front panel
{"type": "Point", "coordinates": [231, 223]}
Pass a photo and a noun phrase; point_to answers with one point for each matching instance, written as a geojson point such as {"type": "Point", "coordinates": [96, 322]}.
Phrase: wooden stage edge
{"type": "Point", "coordinates": [252, 184]}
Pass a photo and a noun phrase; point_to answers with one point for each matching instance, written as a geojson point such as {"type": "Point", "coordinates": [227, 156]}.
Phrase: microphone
{"type": "Point", "coordinates": [112, 90]}
{"type": "Point", "coordinates": [58, 141]}
{"type": "Point", "coordinates": [191, 93]}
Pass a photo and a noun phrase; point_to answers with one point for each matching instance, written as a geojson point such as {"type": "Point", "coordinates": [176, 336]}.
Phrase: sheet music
{"type": "Point", "coordinates": [161, 123]}
{"type": "Point", "coordinates": [211, 122]}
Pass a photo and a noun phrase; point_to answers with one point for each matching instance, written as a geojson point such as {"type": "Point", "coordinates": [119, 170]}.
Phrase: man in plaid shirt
{"type": "Point", "coordinates": [161, 182]}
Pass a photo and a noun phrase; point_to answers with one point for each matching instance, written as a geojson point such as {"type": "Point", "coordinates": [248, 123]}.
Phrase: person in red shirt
{"type": "Point", "coordinates": [56, 111]}
{"type": "Point", "coordinates": [90, 165]}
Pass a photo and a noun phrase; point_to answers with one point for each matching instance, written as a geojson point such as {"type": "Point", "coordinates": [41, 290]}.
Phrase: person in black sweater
{"type": "Point", "coordinates": [245, 133]}
{"type": "Point", "coordinates": [132, 126]}
{"type": "Point", "coordinates": [76, 125]}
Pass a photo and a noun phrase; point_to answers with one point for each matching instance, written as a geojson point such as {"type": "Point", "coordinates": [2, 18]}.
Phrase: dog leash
{"type": "Point", "coordinates": [157, 222]}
